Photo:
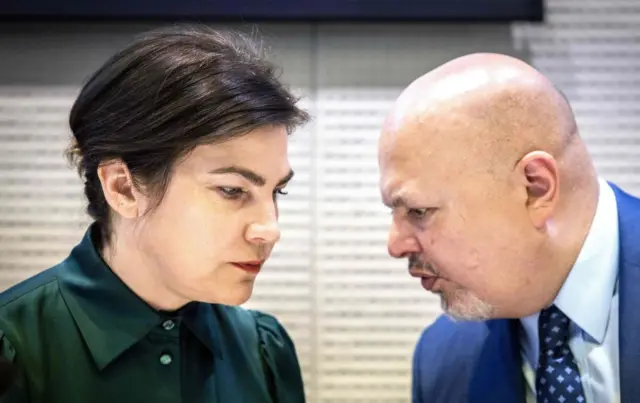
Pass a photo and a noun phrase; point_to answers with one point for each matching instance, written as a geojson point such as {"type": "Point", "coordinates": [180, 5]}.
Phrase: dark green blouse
{"type": "Point", "coordinates": [77, 334]}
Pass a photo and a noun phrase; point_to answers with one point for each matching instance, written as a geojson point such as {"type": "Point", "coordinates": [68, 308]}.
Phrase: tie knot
{"type": "Point", "coordinates": [553, 329]}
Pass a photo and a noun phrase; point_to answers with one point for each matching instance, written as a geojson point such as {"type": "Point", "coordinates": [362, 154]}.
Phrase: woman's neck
{"type": "Point", "coordinates": [138, 272]}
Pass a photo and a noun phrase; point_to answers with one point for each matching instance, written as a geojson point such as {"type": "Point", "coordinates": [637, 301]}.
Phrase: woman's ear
{"type": "Point", "coordinates": [119, 188]}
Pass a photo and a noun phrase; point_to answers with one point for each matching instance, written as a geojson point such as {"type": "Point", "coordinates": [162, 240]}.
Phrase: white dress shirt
{"type": "Point", "coordinates": [589, 297]}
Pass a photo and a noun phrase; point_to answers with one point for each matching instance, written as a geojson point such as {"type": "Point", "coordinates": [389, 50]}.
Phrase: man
{"type": "Point", "coordinates": [499, 210]}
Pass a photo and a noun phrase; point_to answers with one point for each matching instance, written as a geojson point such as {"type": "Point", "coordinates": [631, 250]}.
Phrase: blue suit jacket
{"type": "Point", "coordinates": [480, 362]}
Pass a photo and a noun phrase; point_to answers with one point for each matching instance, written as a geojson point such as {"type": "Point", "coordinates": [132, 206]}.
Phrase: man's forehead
{"type": "Point", "coordinates": [408, 194]}
{"type": "Point", "coordinates": [404, 160]}
{"type": "Point", "coordinates": [397, 148]}
{"type": "Point", "coordinates": [389, 191]}
{"type": "Point", "coordinates": [396, 185]}
{"type": "Point", "coordinates": [415, 177]}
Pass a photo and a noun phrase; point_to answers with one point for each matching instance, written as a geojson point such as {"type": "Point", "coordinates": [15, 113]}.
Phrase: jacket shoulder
{"type": "Point", "coordinates": [443, 359]}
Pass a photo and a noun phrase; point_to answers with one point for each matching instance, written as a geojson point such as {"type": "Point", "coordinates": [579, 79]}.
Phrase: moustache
{"type": "Point", "coordinates": [416, 264]}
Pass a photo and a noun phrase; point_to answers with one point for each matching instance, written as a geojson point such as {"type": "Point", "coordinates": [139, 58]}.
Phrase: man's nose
{"type": "Point", "coordinates": [399, 244]}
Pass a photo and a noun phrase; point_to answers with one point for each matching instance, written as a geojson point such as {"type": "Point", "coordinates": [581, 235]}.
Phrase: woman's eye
{"type": "Point", "coordinates": [231, 192]}
{"type": "Point", "coordinates": [280, 192]}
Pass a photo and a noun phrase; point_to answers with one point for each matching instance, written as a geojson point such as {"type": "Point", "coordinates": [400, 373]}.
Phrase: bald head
{"type": "Point", "coordinates": [491, 103]}
{"type": "Point", "coordinates": [490, 185]}
{"type": "Point", "coordinates": [486, 112]}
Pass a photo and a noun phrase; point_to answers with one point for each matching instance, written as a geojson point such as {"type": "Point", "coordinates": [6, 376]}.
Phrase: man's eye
{"type": "Point", "coordinates": [231, 192]}
{"type": "Point", "coordinates": [417, 213]}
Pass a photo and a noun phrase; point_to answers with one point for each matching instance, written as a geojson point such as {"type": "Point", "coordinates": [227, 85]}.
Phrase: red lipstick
{"type": "Point", "coordinates": [252, 266]}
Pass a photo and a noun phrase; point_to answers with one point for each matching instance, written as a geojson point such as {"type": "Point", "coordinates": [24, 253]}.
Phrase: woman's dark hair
{"type": "Point", "coordinates": [167, 92]}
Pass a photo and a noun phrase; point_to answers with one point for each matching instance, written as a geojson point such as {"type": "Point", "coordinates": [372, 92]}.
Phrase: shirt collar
{"type": "Point", "coordinates": [109, 315]}
{"type": "Point", "coordinates": [585, 296]}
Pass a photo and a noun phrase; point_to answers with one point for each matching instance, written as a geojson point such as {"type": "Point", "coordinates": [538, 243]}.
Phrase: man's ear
{"type": "Point", "coordinates": [539, 173]}
{"type": "Point", "coordinates": [119, 189]}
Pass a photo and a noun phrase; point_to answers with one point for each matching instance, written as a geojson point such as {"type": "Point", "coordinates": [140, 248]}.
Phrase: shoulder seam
{"type": "Point", "coordinates": [17, 297]}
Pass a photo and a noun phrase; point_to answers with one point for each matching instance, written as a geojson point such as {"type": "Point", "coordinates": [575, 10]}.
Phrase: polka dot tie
{"type": "Point", "coordinates": [557, 376]}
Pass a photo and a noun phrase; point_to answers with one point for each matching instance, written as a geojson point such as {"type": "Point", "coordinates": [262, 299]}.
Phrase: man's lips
{"type": "Point", "coordinates": [428, 280]}
{"type": "Point", "coordinates": [420, 273]}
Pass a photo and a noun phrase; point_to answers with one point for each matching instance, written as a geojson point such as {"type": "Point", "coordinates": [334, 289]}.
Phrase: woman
{"type": "Point", "coordinates": [181, 139]}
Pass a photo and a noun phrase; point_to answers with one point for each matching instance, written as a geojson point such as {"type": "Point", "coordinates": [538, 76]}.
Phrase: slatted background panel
{"type": "Point", "coordinates": [370, 312]}
{"type": "Point", "coordinates": [41, 206]}
{"type": "Point", "coordinates": [591, 50]}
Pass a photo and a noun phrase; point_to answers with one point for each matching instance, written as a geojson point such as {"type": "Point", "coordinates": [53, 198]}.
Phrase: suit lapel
{"type": "Point", "coordinates": [629, 285]}
{"type": "Point", "coordinates": [497, 376]}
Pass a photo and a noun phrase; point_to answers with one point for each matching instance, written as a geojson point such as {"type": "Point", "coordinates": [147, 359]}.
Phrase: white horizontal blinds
{"type": "Point", "coordinates": [283, 288]}
{"type": "Point", "coordinates": [370, 311]}
{"type": "Point", "coordinates": [41, 207]}
{"type": "Point", "coordinates": [591, 50]}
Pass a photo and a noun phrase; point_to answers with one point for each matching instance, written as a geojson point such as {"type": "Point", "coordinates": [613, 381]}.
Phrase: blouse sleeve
{"type": "Point", "coordinates": [12, 384]}
{"type": "Point", "coordinates": [280, 361]}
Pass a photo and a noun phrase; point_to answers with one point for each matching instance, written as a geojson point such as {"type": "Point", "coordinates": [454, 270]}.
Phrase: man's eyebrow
{"type": "Point", "coordinates": [399, 201]}
{"type": "Point", "coordinates": [250, 175]}
{"type": "Point", "coordinates": [397, 198]}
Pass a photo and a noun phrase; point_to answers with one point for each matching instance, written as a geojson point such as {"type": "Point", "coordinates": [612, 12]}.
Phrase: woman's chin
{"type": "Point", "coordinates": [239, 295]}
